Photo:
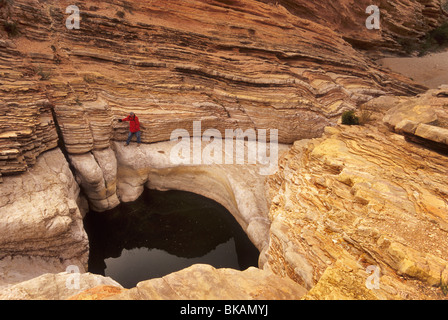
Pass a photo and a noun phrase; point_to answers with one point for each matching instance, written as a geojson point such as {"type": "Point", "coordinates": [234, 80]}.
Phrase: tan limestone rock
{"type": "Point", "coordinates": [41, 227]}
{"type": "Point", "coordinates": [422, 119]}
{"type": "Point", "coordinates": [360, 197]}
{"type": "Point", "coordinates": [58, 286]}
{"type": "Point", "coordinates": [251, 65]}
{"type": "Point", "coordinates": [204, 282]}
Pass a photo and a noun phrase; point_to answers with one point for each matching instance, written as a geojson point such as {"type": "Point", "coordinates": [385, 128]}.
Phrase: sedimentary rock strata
{"type": "Point", "coordinates": [230, 65]}
{"type": "Point", "coordinates": [401, 22]}
{"type": "Point", "coordinates": [423, 119]}
{"type": "Point", "coordinates": [360, 197]}
{"type": "Point", "coordinates": [40, 221]}
{"type": "Point", "coordinates": [340, 206]}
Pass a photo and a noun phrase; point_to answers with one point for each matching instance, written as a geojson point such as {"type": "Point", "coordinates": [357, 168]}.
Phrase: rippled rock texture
{"type": "Point", "coordinates": [423, 119]}
{"type": "Point", "coordinates": [401, 22]}
{"type": "Point", "coordinates": [356, 200]}
{"type": "Point", "coordinates": [345, 200]}
{"type": "Point", "coordinates": [227, 63]}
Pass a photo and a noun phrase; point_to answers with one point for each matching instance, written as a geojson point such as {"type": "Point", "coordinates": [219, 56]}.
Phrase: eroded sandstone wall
{"type": "Point", "coordinates": [228, 64]}
{"type": "Point", "coordinates": [352, 198]}
{"type": "Point", "coordinates": [361, 199]}
{"type": "Point", "coordinates": [41, 221]}
{"type": "Point", "coordinates": [401, 22]}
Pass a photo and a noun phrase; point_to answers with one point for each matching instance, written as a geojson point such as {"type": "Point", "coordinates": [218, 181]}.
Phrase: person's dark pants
{"type": "Point", "coordinates": [130, 137]}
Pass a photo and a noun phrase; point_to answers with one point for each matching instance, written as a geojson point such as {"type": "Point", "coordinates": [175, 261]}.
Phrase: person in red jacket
{"type": "Point", "coordinates": [134, 128]}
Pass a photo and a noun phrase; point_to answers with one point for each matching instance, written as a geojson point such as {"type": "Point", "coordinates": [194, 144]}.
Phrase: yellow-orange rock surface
{"type": "Point", "coordinates": [361, 197]}
{"type": "Point", "coordinates": [345, 201]}
{"type": "Point", "coordinates": [203, 282]}
{"type": "Point", "coordinates": [227, 63]}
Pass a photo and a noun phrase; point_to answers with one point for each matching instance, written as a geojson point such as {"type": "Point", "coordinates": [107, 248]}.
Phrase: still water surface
{"type": "Point", "coordinates": [163, 232]}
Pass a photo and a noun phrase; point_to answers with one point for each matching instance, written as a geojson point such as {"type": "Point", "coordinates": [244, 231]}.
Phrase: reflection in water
{"type": "Point", "coordinates": [163, 232]}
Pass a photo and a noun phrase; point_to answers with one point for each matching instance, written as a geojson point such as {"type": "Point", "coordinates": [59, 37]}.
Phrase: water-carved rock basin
{"type": "Point", "coordinates": [162, 232]}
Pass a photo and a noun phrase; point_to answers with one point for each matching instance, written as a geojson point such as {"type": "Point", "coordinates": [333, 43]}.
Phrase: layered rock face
{"type": "Point", "coordinates": [400, 21]}
{"type": "Point", "coordinates": [423, 120]}
{"type": "Point", "coordinates": [228, 64]}
{"type": "Point", "coordinates": [360, 213]}
{"type": "Point", "coordinates": [41, 222]}
{"type": "Point", "coordinates": [361, 199]}
{"type": "Point", "coordinates": [356, 199]}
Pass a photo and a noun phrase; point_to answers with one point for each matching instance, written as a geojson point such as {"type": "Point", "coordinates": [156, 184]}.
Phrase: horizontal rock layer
{"type": "Point", "coordinates": [401, 22]}
{"type": "Point", "coordinates": [228, 64]}
{"type": "Point", "coordinates": [356, 198]}
{"type": "Point", "coordinates": [198, 282]}
{"type": "Point", "coordinates": [423, 119]}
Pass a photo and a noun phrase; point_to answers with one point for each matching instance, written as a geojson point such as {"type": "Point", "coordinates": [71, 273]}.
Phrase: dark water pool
{"type": "Point", "coordinates": [163, 232]}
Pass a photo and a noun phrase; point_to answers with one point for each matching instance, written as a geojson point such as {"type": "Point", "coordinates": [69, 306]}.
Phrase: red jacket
{"type": "Point", "coordinates": [134, 124]}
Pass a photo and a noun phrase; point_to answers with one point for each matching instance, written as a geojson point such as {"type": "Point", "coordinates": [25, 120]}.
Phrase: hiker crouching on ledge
{"type": "Point", "coordinates": [134, 128]}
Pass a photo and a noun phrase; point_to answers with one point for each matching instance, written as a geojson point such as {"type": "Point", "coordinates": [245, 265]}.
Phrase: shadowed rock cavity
{"type": "Point", "coordinates": [163, 232]}
{"type": "Point", "coordinates": [121, 173]}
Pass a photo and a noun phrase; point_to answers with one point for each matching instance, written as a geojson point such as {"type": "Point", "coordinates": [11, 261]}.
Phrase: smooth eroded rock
{"type": "Point", "coordinates": [204, 282]}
